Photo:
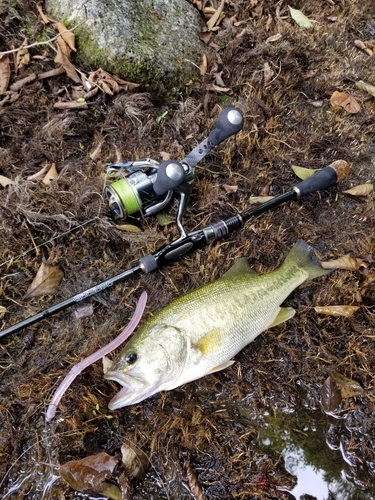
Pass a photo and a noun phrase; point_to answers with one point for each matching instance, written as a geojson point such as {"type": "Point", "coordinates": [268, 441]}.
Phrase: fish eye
{"type": "Point", "coordinates": [131, 358]}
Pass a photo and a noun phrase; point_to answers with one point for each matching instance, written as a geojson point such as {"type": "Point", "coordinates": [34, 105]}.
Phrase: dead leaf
{"type": "Point", "coordinates": [95, 153]}
{"type": "Point", "coordinates": [67, 36]}
{"type": "Point", "coordinates": [38, 176]}
{"type": "Point", "coordinates": [216, 88]}
{"type": "Point", "coordinates": [45, 18]}
{"type": "Point", "coordinates": [5, 181]}
{"type": "Point", "coordinates": [46, 281]}
{"type": "Point", "coordinates": [345, 311]}
{"type": "Point", "coordinates": [215, 16]}
{"type": "Point", "coordinates": [164, 219]}
{"type": "Point", "coordinates": [106, 81]}
{"type": "Point", "coordinates": [300, 18]}
{"type": "Point", "coordinates": [89, 472]}
{"type": "Point", "coordinates": [205, 36]}
{"type": "Point", "coordinates": [370, 89]}
{"type": "Point", "coordinates": [63, 58]}
{"type": "Point", "coordinates": [303, 173]}
{"type": "Point", "coordinates": [135, 461]}
{"type": "Point", "coordinates": [51, 175]}
{"type": "Point", "coordinates": [256, 200]}
{"type": "Point", "coordinates": [230, 189]}
{"type": "Point", "coordinates": [129, 228]}
{"type": "Point", "coordinates": [346, 101]}
{"type": "Point", "coordinates": [268, 73]}
{"type": "Point", "coordinates": [344, 262]}
{"type": "Point", "coordinates": [21, 83]}
{"type": "Point", "coordinates": [349, 388]}
{"type": "Point", "coordinates": [4, 73]}
{"type": "Point", "coordinates": [360, 189]}
{"type": "Point", "coordinates": [165, 156]}
{"type": "Point", "coordinates": [23, 56]}
{"type": "Point", "coordinates": [3, 310]}
{"type": "Point", "coordinates": [203, 65]}
{"type": "Point", "coordinates": [274, 38]}
{"type": "Point", "coordinates": [331, 394]}
{"type": "Point", "coordinates": [361, 45]}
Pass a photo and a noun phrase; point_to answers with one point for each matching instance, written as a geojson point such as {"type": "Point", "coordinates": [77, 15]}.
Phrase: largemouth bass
{"type": "Point", "coordinates": [200, 332]}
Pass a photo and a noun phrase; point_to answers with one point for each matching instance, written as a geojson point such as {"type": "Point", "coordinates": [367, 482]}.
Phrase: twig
{"type": "Point", "coordinates": [41, 43]}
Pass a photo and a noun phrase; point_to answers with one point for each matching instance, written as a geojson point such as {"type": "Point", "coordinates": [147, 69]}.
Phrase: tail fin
{"type": "Point", "coordinates": [301, 254]}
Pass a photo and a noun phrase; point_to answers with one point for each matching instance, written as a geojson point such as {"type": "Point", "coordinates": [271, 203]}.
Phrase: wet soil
{"type": "Point", "coordinates": [217, 424]}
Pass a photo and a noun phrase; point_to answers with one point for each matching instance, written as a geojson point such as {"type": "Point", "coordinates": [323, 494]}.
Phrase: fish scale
{"type": "Point", "coordinates": [201, 331]}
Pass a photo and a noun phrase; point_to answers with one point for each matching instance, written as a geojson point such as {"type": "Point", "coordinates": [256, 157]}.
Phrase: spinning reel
{"type": "Point", "coordinates": [149, 186]}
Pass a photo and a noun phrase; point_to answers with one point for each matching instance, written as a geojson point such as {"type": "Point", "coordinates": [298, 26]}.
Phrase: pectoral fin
{"type": "Point", "coordinates": [210, 342]}
{"type": "Point", "coordinates": [222, 366]}
{"type": "Point", "coordinates": [241, 267]}
{"type": "Point", "coordinates": [284, 314]}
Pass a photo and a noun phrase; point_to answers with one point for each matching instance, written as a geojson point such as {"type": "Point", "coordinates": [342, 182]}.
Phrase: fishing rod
{"type": "Point", "coordinates": [136, 195]}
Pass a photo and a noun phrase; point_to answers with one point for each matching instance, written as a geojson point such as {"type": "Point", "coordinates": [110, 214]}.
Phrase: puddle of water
{"type": "Point", "coordinates": [315, 448]}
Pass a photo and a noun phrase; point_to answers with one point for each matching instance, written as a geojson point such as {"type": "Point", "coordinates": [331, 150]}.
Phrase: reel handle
{"type": "Point", "coordinates": [169, 176]}
{"type": "Point", "coordinates": [230, 122]}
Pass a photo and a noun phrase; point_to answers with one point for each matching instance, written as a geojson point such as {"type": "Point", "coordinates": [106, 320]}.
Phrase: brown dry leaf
{"type": "Point", "coordinates": [268, 73]}
{"type": "Point", "coordinates": [370, 89]}
{"type": "Point", "coordinates": [361, 45]}
{"type": "Point", "coordinates": [257, 200]}
{"type": "Point", "coordinates": [125, 84]}
{"type": "Point", "coordinates": [46, 281]}
{"type": "Point", "coordinates": [67, 36]}
{"type": "Point", "coordinates": [89, 472]}
{"type": "Point", "coordinates": [38, 176]}
{"type": "Point", "coordinates": [230, 189]}
{"type": "Point", "coordinates": [331, 394]}
{"type": "Point", "coordinates": [45, 18]}
{"type": "Point", "coordinates": [215, 16]}
{"type": "Point", "coordinates": [135, 461]}
{"type": "Point", "coordinates": [4, 73]}
{"type": "Point", "coordinates": [105, 81]}
{"type": "Point", "coordinates": [216, 88]}
{"type": "Point", "coordinates": [129, 228]}
{"type": "Point", "coordinates": [51, 175]}
{"type": "Point", "coordinates": [63, 58]}
{"type": "Point", "coordinates": [349, 388]}
{"type": "Point", "coordinates": [95, 153]}
{"type": "Point", "coordinates": [345, 311]}
{"type": "Point", "coordinates": [346, 101]}
{"type": "Point", "coordinates": [23, 56]}
{"type": "Point", "coordinates": [360, 189]}
{"type": "Point", "coordinates": [5, 181]}
{"type": "Point", "coordinates": [344, 262]}
{"type": "Point", "coordinates": [203, 65]}
{"type": "Point", "coordinates": [303, 173]}
{"type": "Point", "coordinates": [205, 36]}
{"type": "Point", "coordinates": [274, 38]}
{"type": "Point", "coordinates": [21, 83]}
{"type": "Point", "coordinates": [165, 156]}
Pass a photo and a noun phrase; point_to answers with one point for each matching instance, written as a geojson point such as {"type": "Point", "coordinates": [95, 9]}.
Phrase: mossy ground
{"type": "Point", "coordinates": [214, 422]}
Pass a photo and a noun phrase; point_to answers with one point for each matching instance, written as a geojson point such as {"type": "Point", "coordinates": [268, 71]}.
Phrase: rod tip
{"type": "Point", "coordinates": [342, 169]}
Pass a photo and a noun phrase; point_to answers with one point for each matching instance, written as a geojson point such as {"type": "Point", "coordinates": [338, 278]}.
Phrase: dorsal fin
{"type": "Point", "coordinates": [241, 267]}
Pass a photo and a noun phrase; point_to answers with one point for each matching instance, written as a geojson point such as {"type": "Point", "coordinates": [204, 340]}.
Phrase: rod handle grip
{"type": "Point", "coordinates": [324, 178]}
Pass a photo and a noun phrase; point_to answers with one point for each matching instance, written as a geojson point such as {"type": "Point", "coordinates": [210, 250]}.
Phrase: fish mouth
{"type": "Point", "coordinates": [134, 389]}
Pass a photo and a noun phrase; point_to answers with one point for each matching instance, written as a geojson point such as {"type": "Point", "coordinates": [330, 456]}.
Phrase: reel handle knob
{"type": "Point", "coordinates": [230, 122]}
{"type": "Point", "coordinates": [169, 176]}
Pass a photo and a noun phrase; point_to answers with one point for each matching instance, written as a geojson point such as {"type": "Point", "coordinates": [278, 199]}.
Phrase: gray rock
{"type": "Point", "coordinates": [141, 40]}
